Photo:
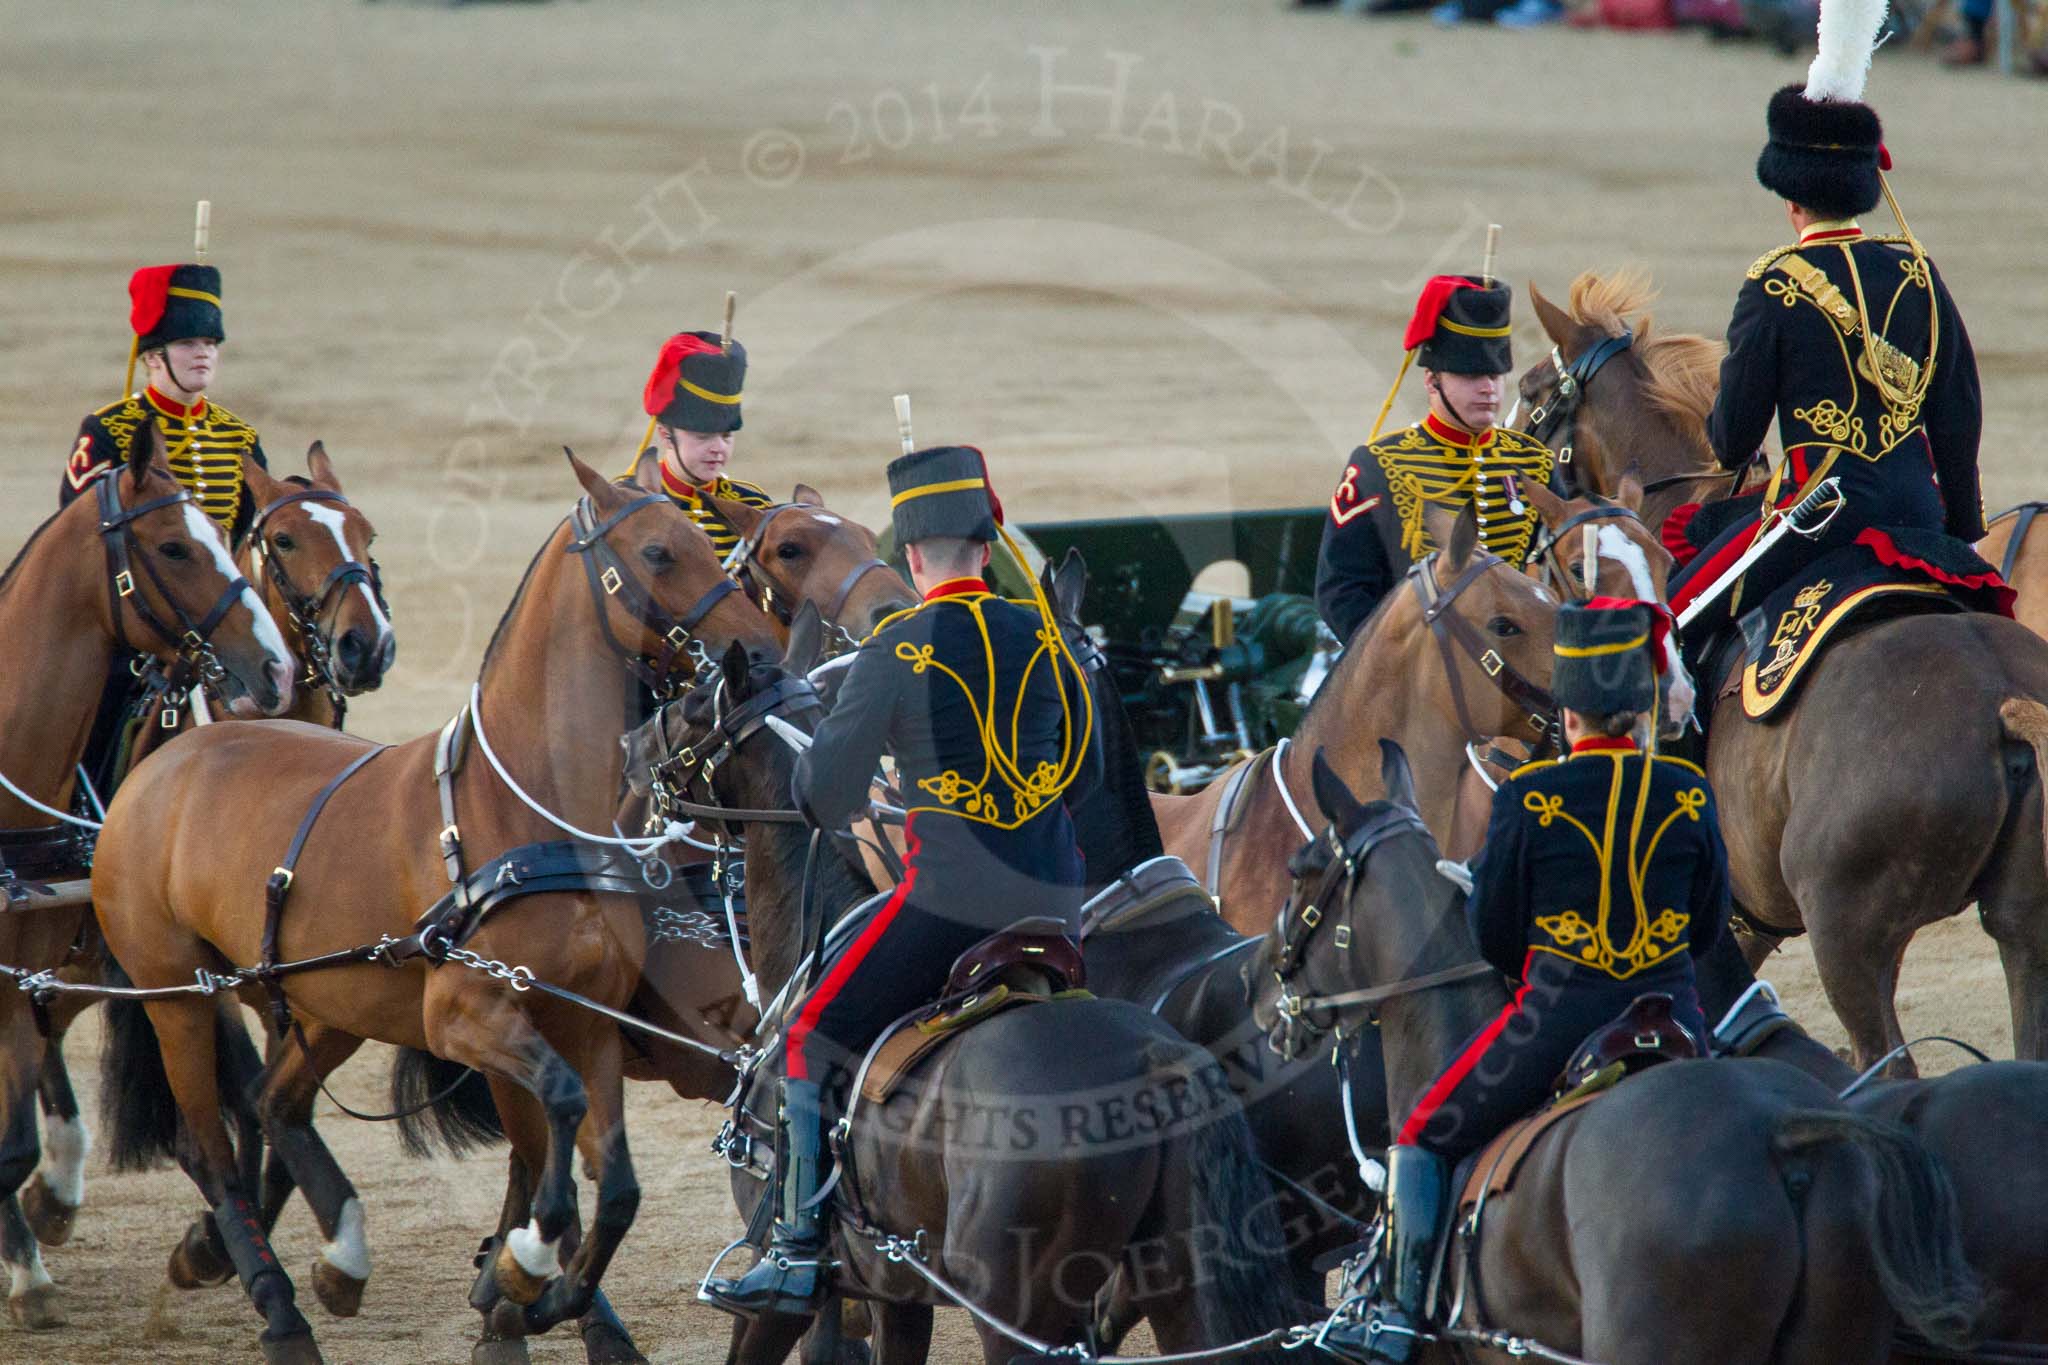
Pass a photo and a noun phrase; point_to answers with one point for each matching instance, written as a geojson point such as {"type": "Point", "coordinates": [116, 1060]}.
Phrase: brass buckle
{"type": "Point", "coordinates": [1341, 936]}
{"type": "Point", "coordinates": [168, 716]}
{"type": "Point", "coordinates": [1311, 916]}
{"type": "Point", "coordinates": [286, 874]}
{"type": "Point", "coordinates": [678, 638]}
{"type": "Point", "coordinates": [450, 836]}
{"type": "Point", "coordinates": [1492, 663]}
{"type": "Point", "coordinates": [611, 580]}
{"type": "Point", "coordinates": [124, 583]}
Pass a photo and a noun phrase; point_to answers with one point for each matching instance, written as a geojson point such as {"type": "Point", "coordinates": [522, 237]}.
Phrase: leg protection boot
{"type": "Point", "coordinates": [1418, 1199]}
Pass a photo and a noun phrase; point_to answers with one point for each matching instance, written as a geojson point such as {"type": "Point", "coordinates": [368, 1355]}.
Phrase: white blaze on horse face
{"type": "Point", "coordinates": [66, 1144]}
{"type": "Point", "coordinates": [201, 528]}
{"type": "Point", "coordinates": [334, 522]}
{"type": "Point", "coordinates": [825, 518]}
{"type": "Point", "coordinates": [349, 1252]}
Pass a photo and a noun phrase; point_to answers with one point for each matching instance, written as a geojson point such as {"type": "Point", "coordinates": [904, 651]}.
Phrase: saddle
{"type": "Point", "coordinates": [1642, 1036]}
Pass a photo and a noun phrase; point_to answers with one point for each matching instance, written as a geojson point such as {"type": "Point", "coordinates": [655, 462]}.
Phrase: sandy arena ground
{"type": "Point", "coordinates": [1152, 255]}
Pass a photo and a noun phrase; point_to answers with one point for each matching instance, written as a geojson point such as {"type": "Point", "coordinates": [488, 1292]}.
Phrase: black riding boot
{"type": "Point", "coordinates": [790, 1276]}
{"type": "Point", "coordinates": [1418, 1194]}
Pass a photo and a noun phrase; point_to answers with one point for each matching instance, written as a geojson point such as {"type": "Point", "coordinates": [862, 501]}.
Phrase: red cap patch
{"type": "Point", "coordinates": [1430, 307]}
{"type": "Point", "coordinates": [995, 503]}
{"type": "Point", "coordinates": [1884, 157]}
{"type": "Point", "coordinates": [1660, 620]}
{"type": "Point", "coordinates": [149, 290]}
{"type": "Point", "coordinates": [661, 385]}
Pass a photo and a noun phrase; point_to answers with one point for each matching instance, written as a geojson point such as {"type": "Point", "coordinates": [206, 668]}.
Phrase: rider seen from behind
{"type": "Point", "coordinates": [1603, 873]}
{"type": "Point", "coordinates": [988, 718]}
{"type": "Point", "coordinates": [1851, 343]}
{"type": "Point", "coordinates": [1454, 457]}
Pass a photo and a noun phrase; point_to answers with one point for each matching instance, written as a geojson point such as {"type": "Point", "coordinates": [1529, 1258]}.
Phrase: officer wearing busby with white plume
{"type": "Point", "coordinates": [1850, 342]}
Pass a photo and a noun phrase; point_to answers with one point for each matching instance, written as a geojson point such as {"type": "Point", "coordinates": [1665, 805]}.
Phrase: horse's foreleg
{"type": "Point", "coordinates": [186, 1037]}
{"type": "Point", "coordinates": [51, 1199]}
{"type": "Point", "coordinates": [602, 1140]}
{"type": "Point", "coordinates": [284, 1104]}
{"type": "Point", "coordinates": [903, 1333]}
{"type": "Point", "coordinates": [31, 1297]}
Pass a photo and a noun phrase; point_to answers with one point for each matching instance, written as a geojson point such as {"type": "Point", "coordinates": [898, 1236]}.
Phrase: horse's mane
{"type": "Point", "coordinates": [27, 545]}
{"type": "Point", "coordinates": [1683, 368]}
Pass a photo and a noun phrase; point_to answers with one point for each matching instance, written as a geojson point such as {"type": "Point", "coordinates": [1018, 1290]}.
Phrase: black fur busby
{"type": "Point", "coordinates": [943, 491]}
{"type": "Point", "coordinates": [1461, 326]}
{"type": "Point", "coordinates": [1823, 155]}
{"type": "Point", "coordinates": [695, 385]}
{"type": "Point", "coordinates": [1604, 659]}
{"type": "Point", "coordinates": [168, 303]}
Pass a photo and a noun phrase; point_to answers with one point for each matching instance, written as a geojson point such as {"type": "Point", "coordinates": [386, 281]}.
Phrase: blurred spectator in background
{"type": "Point", "coordinates": [1969, 46]}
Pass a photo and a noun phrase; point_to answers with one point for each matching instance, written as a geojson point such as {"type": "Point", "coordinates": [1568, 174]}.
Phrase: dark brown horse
{"type": "Point", "coordinates": [193, 836]}
{"type": "Point", "coordinates": [1433, 668]}
{"type": "Point", "coordinates": [1905, 783]}
{"type": "Point", "coordinates": [1030, 1220]}
{"type": "Point", "coordinates": [131, 563]}
{"type": "Point", "coordinates": [1702, 1212]}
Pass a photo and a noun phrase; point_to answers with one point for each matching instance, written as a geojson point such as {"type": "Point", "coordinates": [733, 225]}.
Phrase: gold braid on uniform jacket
{"type": "Point", "coordinates": [1659, 932]}
{"type": "Point", "coordinates": [205, 452]}
{"type": "Point", "coordinates": [691, 499]}
{"type": "Point", "coordinates": [1422, 468]}
{"type": "Point", "coordinates": [1002, 794]}
{"type": "Point", "coordinates": [1902, 383]}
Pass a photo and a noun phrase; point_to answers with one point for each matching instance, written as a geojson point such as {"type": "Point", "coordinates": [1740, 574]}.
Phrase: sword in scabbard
{"type": "Point", "coordinates": [1807, 519]}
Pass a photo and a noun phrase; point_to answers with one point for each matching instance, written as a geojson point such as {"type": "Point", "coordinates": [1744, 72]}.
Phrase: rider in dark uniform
{"type": "Point", "coordinates": [1851, 343]}
{"type": "Point", "coordinates": [693, 403]}
{"type": "Point", "coordinates": [175, 314]}
{"type": "Point", "coordinates": [988, 718]}
{"type": "Point", "coordinates": [1454, 456]}
{"type": "Point", "coordinates": [1601, 876]}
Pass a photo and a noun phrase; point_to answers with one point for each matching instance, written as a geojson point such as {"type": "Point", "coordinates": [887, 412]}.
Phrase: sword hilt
{"type": "Point", "coordinates": [1828, 494]}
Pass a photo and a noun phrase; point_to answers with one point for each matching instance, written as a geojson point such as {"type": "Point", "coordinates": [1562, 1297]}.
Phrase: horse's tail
{"type": "Point", "coordinates": [442, 1104]}
{"type": "Point", "coordinates": [137, 1109]}
{"type": "Point", "coordinates": [1243, 1282]}
{"type": "Point", "coordinates": [2026, 722]}
{"type": "Point", "coordinates": [1912, 1228]}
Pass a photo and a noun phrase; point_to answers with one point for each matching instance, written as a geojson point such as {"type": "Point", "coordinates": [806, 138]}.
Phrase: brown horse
{"type": "Point", "coordinates": [1905, 783]}
{"type": "Point", "coordinates": [2022, 560]}
{"type": "Point", "coordinates": [797, 551]}
{"type": "Point", "coordinates": [1456, 654]}
{"type": "Point", "coordinates": [1701, 1214]}
{"type": "Point", "coordinates": [132, 563]}
{"type": "Point", "coordinates": [192, 835]}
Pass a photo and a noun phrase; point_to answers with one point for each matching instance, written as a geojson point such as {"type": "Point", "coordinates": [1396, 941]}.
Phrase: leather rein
{"type": "Point", "coordinates": [743, 565]}
{"type": "Point", "coordinates": [196, 661]}
{"type": "Point", "coordinates": [1550, 552]}
{"type": "Point", "coordinates": [607, 575]}
{"type": "Point", "coordinates": [1296, 1026]}
{"type": "Point", "coordinates": [304, 609]}
{"type": "Point", "coordinates": [1559, 413]}
{"type": "Point", "coordinates": [1450, 629]}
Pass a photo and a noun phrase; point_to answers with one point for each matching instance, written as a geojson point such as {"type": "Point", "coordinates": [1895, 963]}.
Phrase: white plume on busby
{"type": "Point", "coordinates": [1848, 35]}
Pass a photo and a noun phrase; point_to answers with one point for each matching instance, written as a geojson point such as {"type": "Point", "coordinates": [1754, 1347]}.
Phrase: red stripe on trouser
{"type": "Point", "coordinates": [849, 963]}
{"type": "Point", "coordinates": [1433, 1098]}
{"type": "Point", "coordinates": [1706, 575]}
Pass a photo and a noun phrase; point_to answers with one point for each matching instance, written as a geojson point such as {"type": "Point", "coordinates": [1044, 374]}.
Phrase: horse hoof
{"type": "Point", "coordinates": [339, 1292]}
{"type": "Point", "coordinates": [511, 1351]}
{"type": "Point", "coordinates": [297, 1349]}
{"type": "Point", "coordinates": [37, 1309]}
{"type": "Point", "coordinates": [513, 1280]}
{"type": "Point", "coordinates": [48, 1216]}
{"type": "Point", "coordinates": [604, 1344]}
{"type": "Point", "coordinates": [196, 1264]}
{"type": "Point", "coordinates": [855, 1353]}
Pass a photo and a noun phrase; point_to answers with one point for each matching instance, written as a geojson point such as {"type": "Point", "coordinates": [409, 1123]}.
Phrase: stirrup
{"type": "Point", "coordinates": [782, 1283]}
{"type": "Point", "coordinates": [1381, 1335]}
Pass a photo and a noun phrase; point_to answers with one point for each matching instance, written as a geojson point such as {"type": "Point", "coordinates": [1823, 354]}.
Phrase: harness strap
{"type": "Point", "coordinates": [1219, 823]}
{"type": "Point", "coordinates": [448, 754]}
{"type": "Point", "coordinates": [280, 884]}
{"type": "Point", "coordinates": [2026, 512]}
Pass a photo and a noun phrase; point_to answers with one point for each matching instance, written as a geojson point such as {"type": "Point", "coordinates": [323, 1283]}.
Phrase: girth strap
{"type": "Point", "coordinates": [280, 884]}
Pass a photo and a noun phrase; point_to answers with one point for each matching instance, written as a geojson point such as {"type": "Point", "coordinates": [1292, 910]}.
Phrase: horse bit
{"type": "Point", "coordinates": [305, 609]}
{"type": "Point", "coordinates": [743, 566]}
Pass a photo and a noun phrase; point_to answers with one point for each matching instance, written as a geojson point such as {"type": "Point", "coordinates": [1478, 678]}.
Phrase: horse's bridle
{"type": "Point", "coordinates": [1560, 411]}
{"type": "Point", "coordinates": [1302, 1019]}
{"type": "Point", "coordinates": [1549, 553]}
{"type": "Point", "coordinates": [197, 661]}
{"type": "Point", "coordinates": [676, 773]}
{"type": "Point", "coordinates": [607, 574]}
{"type": "Point", "coordinates": [1449, 628]}
{"type": "Point", "coordinates": [743, 566]}
{"type": "Point", "coordinates": [305, 609]}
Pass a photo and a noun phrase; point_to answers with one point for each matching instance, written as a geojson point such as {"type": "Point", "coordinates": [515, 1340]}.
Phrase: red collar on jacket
{"type": "Point", "coordinates": [1453, 435]}
{"type": "Point", "coordinates": [956, 587]}
{"type": "Point", "coordinates": [170, 407]}
{"type": "Point", "coordinates": [1594, 744]}
{"type": "Point", "coordinates": [1836, 231]}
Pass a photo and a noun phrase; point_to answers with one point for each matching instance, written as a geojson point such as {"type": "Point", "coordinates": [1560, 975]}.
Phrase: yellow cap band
{"type": "Point", "coordinates": [1592, 651]}
{"type": "Point", "coordinates": [949, 486]}
{"type": "Point", "coordinates": [1462, 330]}
{"type": "Point", "coordinates": [707, 395]}
{"type": "Point", "coordinates": [199, 294]}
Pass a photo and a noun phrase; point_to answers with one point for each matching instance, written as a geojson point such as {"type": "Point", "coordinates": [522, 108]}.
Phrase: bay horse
{"type": "Point", "coordinates": [1906, 781]}
{"type": "Point", "coordinates": [622, 591]}
{"type": "Point", "coordinates": [2022, 561]}
{"type": "Point", "coordinates": [130, 564]}
{"type": "Point", "coordinates": [1457, 653]}
{"type": "Point", "coordinates": [307, 554]}
{"type": "Point", "coordinates": [1988, 1126]}
{"type": "Point", "coordinates": [1702, 1213]}
{"type": "Point", "coordinates": [1030, 1226]}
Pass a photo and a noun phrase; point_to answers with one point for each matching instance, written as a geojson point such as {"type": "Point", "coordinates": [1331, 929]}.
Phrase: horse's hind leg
{"type": "Point", "coordinates": [283, 1099]}
{"type": "Point", "coordinates": [1859, 933]}
{"type": "Point", "coordinates": [903, 1333]}
{"type": "Point", "coordinates": [51, 1199]}
{"type": "Point", "coordinates": [602, 1139]}
{"type": "Point", "coordinates": [186, 1030]}
{"type": "Point", "coordinates": [31, 1297]}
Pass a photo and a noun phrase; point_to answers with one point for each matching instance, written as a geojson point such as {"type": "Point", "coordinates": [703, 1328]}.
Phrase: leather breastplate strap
{"type": "Point", "coordinates": [280, 884]}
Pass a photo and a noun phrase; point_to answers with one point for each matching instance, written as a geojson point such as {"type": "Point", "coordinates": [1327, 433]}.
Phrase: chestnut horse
{"type": "Point", "coordinates": [2022, 560]}
{"type": "Point", "coordinates": [1457, 653]}
{"type": "Point", "coordinates": [192, 835]}
{"type": "Point", "coordinates": [1906, 781]}
{"type": "Point", "coordinates": [130, 564]}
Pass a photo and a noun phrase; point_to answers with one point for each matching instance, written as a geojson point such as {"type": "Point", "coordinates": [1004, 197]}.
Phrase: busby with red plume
{"type": "Point", "coordinates": [696, 383]}
{"type": "Point", "coordinates": [1461, 326]}
{"type": "Point", "coordinates": [168, 303]}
